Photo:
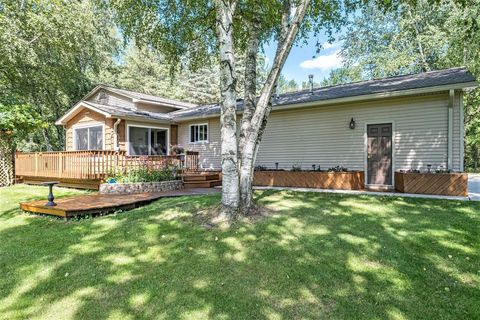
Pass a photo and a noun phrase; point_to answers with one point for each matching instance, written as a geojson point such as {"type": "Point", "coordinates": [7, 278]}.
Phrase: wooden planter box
{"type": "Point", "coordinates": [448, 184]}
{"type": "Point", "coordinates": [354, 180]}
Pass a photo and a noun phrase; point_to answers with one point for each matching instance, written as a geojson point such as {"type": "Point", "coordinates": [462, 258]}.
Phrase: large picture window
{"type": "Point", "coordinates": [89, 138]}
{"type": "Point", "coordinates": [198, 133]}
{"type": "Point", "coordinates": [147, 141]}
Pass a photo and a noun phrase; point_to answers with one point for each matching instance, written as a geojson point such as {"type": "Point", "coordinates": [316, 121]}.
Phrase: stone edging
{"type": "Point", "coordinates": [140, 187]}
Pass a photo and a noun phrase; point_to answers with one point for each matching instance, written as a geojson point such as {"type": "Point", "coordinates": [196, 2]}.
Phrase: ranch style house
{"type": "Point", "coordinates": [378, 127]}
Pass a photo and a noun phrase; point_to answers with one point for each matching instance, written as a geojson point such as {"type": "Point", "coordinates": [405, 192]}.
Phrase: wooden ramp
{"type": "Point", "coordinates": [104, 203]}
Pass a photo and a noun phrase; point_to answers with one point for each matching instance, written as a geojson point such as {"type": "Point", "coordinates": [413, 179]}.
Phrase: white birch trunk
{"type": "Point", "coordinates": [246, 168]}
{"type": "Point", "coordinates": [228, 80]}
{"type": "Point", "coordinates": [257, 122]}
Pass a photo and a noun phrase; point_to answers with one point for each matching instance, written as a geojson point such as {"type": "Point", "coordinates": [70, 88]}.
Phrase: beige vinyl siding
{"type": "Point", "coordinates": [210, 156]}
{"type": "Point", "coordinates": [321, 136]}
{"type": "Point", "coordinates": [114, 100]}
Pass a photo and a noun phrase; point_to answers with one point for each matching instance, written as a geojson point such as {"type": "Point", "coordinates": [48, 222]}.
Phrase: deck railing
{"type": "Point", "coordinates": [92, 165]}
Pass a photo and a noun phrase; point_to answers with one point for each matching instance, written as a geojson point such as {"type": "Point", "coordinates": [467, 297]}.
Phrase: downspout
{"type": "Point", "coordinates": [462, 133]}
{"type": "Point", "coordinates": [451, 97]}
{"type": "Point", "coordinates": [115, 135]}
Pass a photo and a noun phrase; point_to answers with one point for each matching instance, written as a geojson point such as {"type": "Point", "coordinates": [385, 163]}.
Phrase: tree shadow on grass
{"type": "Point", "coordinates": [319, 256]}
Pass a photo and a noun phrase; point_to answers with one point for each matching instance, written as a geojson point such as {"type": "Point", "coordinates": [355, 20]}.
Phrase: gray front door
{"type": "Point", "coordinates": [379, 154]}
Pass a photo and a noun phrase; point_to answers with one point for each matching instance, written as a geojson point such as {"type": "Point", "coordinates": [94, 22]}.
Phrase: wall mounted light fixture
{"type": "Point", "coordinates": [352, 124]}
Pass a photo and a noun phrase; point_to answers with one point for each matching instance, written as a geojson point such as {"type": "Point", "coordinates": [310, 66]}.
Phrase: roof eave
{"type": "Point", "coordinates": [142, 119]}
{"type": "Point", "coordinates": [373, 96]}
{"type": "Point", "coordinates": [170, 105]}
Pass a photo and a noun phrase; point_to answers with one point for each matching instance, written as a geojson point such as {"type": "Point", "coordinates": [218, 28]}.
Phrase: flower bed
{"type": "Point", "coordinates": [140, 187]}
{"type": "Point", "coordinates": [448, 184]}
{"type": "Point", "coordinates": [350, 180]}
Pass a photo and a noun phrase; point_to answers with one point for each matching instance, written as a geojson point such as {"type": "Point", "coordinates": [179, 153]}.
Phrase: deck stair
{"type": "Point", "coordinates": [201, 180]}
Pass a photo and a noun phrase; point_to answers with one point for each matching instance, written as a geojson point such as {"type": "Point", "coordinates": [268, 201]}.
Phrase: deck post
{"type": "Point", "coordinates": [36, 164]}
{"type": "Point", "coordinates": [60, 164]}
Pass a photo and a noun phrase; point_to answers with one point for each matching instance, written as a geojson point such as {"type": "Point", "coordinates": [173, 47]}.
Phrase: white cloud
{"type": "Point", "coordinates": [328, 45]}
{"type": "Point", "coordinates": [328, 61]}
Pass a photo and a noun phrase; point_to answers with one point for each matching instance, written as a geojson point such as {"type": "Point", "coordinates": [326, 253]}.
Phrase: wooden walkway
{"type": "Point", "coordinates": [104, 203]}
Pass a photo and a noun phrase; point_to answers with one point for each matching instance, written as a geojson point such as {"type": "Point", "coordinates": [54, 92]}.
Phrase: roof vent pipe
{"type": "Point", "coordinates": [310, 80]}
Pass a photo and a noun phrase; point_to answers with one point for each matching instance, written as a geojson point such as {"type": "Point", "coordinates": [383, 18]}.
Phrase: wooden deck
{"type": "Point", "coordinates": [101, 203]}
{"type": "Point", "coordinates": [86, 169]}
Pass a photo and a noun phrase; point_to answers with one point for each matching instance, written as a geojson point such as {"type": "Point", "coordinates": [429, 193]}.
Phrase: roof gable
{"type": "Point", "coordinates": [135, 97]}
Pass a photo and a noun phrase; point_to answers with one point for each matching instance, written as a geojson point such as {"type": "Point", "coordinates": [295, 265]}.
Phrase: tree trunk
{"type": "Point", "coordinates": [47, 140]}
{"type": "Point", "coordinates": [228, 81]}
{"type": "Point", "coordinates": [253, 130]}
{"type": "Point", "coordinates": [246, 167]}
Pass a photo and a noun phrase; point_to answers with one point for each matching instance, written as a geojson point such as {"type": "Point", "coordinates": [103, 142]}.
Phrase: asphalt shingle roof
{"type": "Point", "coordinates": [397, 83]}
{"type": "Point", "coordinates": [129, 113]}
{"type": "Point", "coordinates": [151, 98]}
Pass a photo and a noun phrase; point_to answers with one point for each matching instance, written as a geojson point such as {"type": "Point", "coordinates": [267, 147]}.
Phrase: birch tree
{"type": "Point", "coordinates": [190, 32]}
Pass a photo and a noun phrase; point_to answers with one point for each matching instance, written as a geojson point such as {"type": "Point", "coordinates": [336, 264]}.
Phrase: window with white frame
{"type": "Point", "coordinates": [89, 138]}
{"type": "Point", "coordinates": [199, 133]}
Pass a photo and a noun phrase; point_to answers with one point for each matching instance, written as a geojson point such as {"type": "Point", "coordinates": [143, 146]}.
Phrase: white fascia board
{"type": "Point", "coordinates": [76, 109]}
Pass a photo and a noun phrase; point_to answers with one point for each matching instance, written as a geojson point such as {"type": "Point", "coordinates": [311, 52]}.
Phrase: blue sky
{"type": "Point", "coordinates": [303, 59]}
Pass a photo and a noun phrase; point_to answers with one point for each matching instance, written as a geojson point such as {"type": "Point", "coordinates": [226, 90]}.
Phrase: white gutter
{"type": "Point", "coordinates": [462, 133]}
{"type": "Point", "coordinates": [116, 147]}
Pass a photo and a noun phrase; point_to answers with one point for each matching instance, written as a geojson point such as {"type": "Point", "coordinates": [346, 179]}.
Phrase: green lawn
{"type": "Point", "coordinates": [319, 256]}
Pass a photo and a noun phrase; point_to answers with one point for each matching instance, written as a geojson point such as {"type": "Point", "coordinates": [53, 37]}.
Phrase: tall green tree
{"type": "Point", "coordinates": [342, 75]}
{"type": "Point", "coordinates": [50, 53]}
{"type": "Point", "coordinates": [146, 70]}
{"type": "Point", "coordinates": [285, 85]}
{"type": "Point", "coordinates": [17, 122]}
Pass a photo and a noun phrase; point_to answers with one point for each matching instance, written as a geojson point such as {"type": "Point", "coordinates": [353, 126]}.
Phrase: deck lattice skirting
{"type": "Point", "coordinates": [140, 187]}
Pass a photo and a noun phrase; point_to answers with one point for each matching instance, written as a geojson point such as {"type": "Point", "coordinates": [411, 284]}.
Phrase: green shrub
{"type": "Point", "coordinates": [143, 174]}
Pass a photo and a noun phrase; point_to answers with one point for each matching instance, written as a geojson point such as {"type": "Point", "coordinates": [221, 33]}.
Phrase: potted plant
{"type": "Point", "coordinates": [177, 150]}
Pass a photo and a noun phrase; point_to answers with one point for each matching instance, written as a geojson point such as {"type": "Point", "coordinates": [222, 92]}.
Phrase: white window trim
{"type": "Point", "coordinates": [365, 151]}
{"type": "Point", "coordinates": [190, 133]}
{"type": "Point", "coordinates": [127, 138]}
{"type": "Point", "coordinates": [84, 126]}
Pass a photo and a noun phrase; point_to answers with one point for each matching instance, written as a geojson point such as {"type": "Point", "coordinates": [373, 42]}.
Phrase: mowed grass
{"type": "Point", "coordinates": [324, 256]}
